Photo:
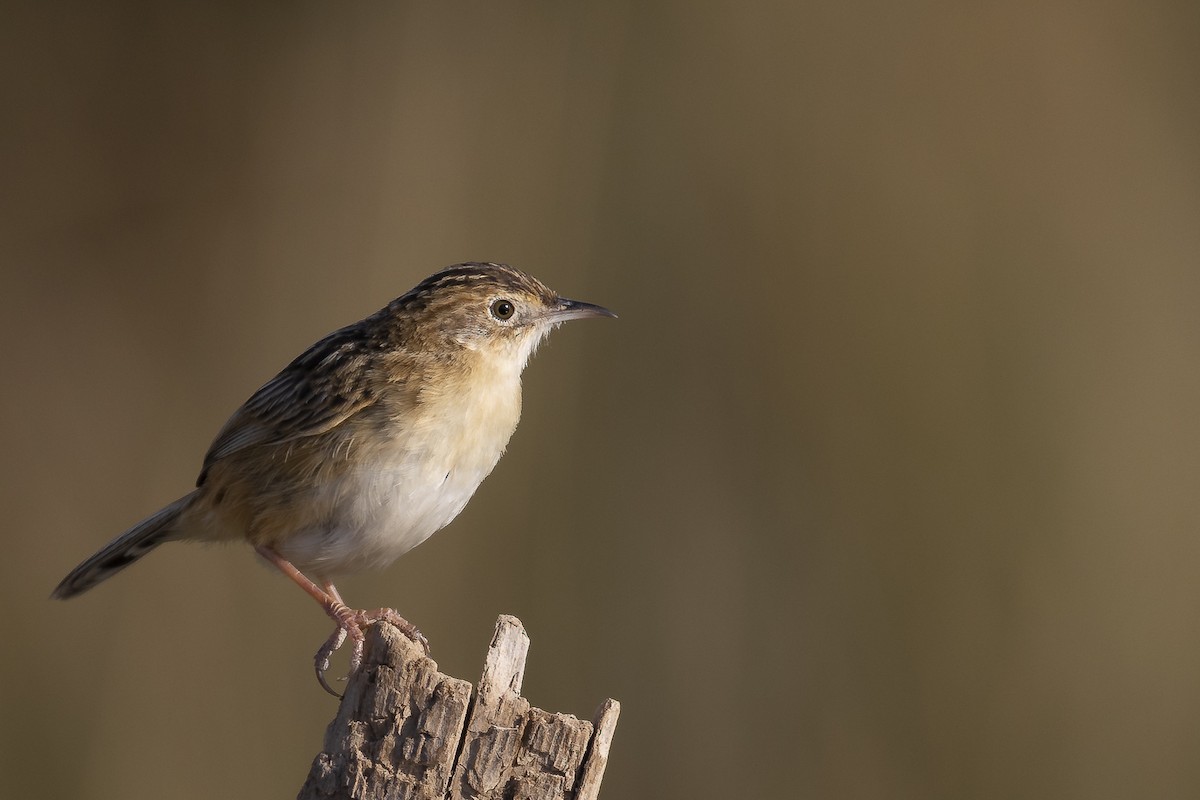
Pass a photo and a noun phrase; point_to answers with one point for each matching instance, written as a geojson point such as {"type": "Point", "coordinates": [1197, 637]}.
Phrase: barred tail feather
{"type": "Point", "coordinates": [123, 551]}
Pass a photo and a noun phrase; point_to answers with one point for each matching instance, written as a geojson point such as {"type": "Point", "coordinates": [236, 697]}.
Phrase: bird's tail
{"type": "Point", "coordinates": [124, 550]}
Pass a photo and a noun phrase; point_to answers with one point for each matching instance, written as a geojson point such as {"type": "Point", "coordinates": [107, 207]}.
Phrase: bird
{"type": "Point", "coordinates": [366, 444]}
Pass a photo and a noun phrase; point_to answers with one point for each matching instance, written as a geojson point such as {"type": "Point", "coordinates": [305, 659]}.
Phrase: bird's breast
{"type": "Point", "coordinates": [399, 474]}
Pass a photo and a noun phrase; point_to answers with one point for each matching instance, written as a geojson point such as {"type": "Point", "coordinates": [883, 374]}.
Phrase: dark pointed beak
{"type": "Point", "coordinates": [576, 309]}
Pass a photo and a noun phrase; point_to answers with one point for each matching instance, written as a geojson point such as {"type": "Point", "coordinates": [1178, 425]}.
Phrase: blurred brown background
{"type": "Point", "coordinates": [883, 485]}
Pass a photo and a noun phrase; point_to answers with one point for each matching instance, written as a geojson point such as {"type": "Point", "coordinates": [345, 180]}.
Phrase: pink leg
{"type": "Point", "coordinates": [349, 621]}
{"type": "Point", "coordinates": [332, 591]}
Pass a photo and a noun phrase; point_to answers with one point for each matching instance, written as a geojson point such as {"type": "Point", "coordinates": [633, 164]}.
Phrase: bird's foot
{"type": "Point", "coordinates": [352, 623]}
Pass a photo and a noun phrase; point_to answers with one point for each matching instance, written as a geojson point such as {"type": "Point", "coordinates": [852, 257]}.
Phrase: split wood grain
{"type": "Point", "coordinates": [405, 730]}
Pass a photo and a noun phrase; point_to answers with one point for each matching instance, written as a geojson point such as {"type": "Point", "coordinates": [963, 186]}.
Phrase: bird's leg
{"type": "Point", "coordinates": [350, 622]}
{"type": "Point", "coordinates": [334, 607]}
{"type": "Point", "coordinates": [332, 591]}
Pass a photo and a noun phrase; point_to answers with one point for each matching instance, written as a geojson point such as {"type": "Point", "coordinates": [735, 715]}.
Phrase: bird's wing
{"type": "Point", "coordinates": [319, 390]}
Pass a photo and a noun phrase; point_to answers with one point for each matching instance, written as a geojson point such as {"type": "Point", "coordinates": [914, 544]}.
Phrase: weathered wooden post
{"type": "Point", "coordinates": [406, 731]}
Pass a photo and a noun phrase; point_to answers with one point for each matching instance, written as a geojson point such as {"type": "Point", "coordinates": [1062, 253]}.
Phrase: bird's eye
{"type": "Point", "coordinates": [502, 309]}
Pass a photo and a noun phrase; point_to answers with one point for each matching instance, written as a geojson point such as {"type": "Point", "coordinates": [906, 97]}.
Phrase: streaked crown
{"type": "Point", "coordinates": [479, 304]}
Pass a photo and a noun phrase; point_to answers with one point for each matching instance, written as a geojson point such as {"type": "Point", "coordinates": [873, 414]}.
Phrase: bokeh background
{"type": "Point", "coordinates": [883, 485]}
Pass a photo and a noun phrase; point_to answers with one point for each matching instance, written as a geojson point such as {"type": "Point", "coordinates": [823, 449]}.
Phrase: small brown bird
{"type": "Point", "coordinates": [367, 444]}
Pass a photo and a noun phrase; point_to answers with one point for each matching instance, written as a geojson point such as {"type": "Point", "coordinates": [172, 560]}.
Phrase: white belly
{"type": "Point", "coordinates": [375, 516]}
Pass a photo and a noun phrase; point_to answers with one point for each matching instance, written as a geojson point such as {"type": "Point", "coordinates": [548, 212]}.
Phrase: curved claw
{"type": "Point", "coordinates": [350, 623]}
{"type": "Point", "coordinates": [321, 660]}
{"type": "Point", "coordinates": [325, 684]}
